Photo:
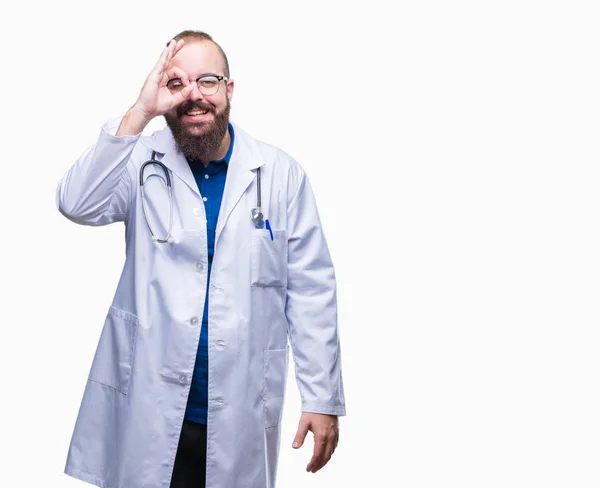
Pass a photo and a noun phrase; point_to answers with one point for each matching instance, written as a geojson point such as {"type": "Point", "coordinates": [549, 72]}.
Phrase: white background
{"type": "Point", "coordinates": [453, 151]}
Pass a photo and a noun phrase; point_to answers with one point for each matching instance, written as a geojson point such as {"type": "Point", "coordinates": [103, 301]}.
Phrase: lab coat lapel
{"type": "Point", "coordinates": [164, 144]}
{"type": "Point", "coordinates": [245, 159]}
{"type": "Point", "coordinates": [241, 172]}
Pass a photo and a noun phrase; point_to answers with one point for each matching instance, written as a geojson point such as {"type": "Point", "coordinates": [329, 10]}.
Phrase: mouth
{"type": "Point", "coordinates": [195, 114]}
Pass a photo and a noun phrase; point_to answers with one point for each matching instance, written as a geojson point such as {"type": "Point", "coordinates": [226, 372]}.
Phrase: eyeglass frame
{"type": "Point", "coordinates": [219, 78]}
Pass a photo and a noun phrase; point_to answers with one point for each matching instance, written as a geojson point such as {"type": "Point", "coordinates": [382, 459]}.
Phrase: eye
{"type": "Point", "coordinates": [208, 82]}
{"type": "Point", "coordinates": [174, 84]}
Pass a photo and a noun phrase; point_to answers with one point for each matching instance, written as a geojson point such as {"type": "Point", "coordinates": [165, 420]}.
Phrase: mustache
{"type": "Point", "coordinates": [182, 109]}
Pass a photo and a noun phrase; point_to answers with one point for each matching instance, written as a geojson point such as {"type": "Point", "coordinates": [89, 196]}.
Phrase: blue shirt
{"type": "Point", "coordinates": [211, 183]}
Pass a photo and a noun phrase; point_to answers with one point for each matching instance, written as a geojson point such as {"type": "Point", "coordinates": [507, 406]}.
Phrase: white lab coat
{"type": "Point", "coordinates": [262, 293]}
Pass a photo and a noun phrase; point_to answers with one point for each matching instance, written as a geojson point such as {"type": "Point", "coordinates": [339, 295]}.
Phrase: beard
{"type": "Point", "coordinates": [199, 144]}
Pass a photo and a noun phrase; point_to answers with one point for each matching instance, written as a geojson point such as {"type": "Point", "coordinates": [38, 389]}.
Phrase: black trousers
{"type": "Point", "coordinates": [190, 461]}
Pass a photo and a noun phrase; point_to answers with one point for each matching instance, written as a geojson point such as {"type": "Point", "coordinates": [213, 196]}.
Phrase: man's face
{"type": "Point", "coordinates": [200, 123]}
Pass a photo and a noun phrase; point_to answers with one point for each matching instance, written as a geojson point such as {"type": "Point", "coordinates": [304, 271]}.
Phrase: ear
{"type": "Point", "coordinates": [230, 87]}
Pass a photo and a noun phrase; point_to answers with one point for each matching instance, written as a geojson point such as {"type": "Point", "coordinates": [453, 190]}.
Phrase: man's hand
{"type": "Point", "coordinates": [326, 433]}
{"type": "Point", "coordinates": [155, 98]}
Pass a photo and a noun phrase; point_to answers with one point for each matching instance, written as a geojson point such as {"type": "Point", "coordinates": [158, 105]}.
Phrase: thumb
{"type": "Point", "coordinates": [184, 94]}
{"type": "Point", "coordinates": [303, 427]}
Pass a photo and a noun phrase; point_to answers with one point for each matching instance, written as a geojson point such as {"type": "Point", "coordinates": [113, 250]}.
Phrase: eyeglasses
{"type": "Point", "coordinates": [208, 84]}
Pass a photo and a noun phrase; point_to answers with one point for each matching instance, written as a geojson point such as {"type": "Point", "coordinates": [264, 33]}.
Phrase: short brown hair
{"type": "Point", "coordinates": [203, 36]}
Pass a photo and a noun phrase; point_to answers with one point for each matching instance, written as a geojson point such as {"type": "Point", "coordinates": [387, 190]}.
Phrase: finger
{"type": "Point", "coordinates": [300, 434]}
{"type": "Point", "coordinates": [184, 94]}
{"type": "Point", "coordinates": [175, 72]}
{"type": "Point", "coordinates": [160, 64]}
{"type": "Point", "coordinates": [170, 48]}
{"type": "Point", "coordinates": [166, 57]}
{"type": "Point", "coordinates": [166, 73]}
{"type": "Point", "coordinates": [178, 46]}
{"type": "Point", "coordinates": [318, 453]}
{"type": "Point", "coordinates": [172, 45]}
{"type": "Point", "coordinates": [329, 448]}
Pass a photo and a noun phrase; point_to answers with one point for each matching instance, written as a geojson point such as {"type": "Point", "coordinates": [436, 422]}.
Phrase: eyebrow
{"type": "Point", "coordinates": [208, 74]}
{"type": "Point", "coordinates": [201, 76]}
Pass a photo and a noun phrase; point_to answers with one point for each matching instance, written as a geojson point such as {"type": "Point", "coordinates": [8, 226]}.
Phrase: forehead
{"type": "Point", "coordinates": [199, 57]}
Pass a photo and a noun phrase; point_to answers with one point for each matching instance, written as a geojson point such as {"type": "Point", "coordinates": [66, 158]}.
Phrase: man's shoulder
{"type": "Point", "coordinates": [269, 152]}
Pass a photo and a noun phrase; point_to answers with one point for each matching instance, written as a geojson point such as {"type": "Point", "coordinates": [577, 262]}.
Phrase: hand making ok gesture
{"type": "Point", "coordinates": [155, 98]}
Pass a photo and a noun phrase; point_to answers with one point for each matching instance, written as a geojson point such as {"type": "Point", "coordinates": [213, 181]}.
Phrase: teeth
{"type": "Point", "coordinates": [196, 113]}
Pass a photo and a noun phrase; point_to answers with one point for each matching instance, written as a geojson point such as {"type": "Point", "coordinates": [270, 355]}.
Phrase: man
{"type": "Point", "coordinates": [225, 262]}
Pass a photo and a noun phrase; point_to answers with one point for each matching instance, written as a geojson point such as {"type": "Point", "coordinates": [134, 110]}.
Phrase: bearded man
{"type": "Point", "coordinates": [226, 270]}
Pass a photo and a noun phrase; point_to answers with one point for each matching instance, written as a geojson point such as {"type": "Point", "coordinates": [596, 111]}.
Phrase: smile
{"type": "Point", "coordinates": [196, 112]}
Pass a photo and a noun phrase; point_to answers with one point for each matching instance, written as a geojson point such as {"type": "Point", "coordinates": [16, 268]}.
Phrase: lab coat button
{"type": "Point", "coordinates": [205, 199]}
{"type": "Point", "coordinates": [182, 379]}
{"type": "Point", "coordinates": [220, 344]}
{"type": "Point", "coordinates": [197, 212]}
{"type": "Point", "coordinates": [194, 320]}
{"type": "Point", "coordinates": [199, 266]}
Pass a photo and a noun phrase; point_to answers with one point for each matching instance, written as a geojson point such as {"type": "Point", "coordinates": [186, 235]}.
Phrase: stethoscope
{"type": "Point", "coordinates": [255, 214]}
{"type": "Point", "coordinates": [169, 238]}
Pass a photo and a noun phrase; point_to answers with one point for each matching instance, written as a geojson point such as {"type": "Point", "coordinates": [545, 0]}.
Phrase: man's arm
{"type": "Point", "coordinates": [311, 311]}
{"type": "Point", "coordinates": [97, 189]}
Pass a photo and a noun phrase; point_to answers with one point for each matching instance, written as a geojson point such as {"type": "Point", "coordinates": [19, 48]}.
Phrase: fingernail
{"type": "Point", "coordinates": [295, 444]}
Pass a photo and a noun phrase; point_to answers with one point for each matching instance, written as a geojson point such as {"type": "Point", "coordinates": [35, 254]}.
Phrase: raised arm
{"type": "Point", "coordinates": [97, 189]}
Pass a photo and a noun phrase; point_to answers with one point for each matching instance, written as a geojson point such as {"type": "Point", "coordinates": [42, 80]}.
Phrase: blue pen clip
{"type": "Point", "coordinates": [269, 228]}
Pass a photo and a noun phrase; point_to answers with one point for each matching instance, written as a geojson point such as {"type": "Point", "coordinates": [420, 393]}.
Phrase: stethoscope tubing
{"type": "Point", "coordinates": [255, 214]}
{"type": "Point", "coordinates": [168, 182]}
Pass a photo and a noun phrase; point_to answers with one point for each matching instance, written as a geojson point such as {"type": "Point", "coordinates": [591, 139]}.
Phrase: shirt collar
{"type": "Point", "coordinates": [230, 150]}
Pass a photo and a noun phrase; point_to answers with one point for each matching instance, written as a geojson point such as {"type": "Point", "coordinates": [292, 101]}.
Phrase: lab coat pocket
{"type": "Point", "coordinates": [268, 258]}
{"type": "Point", "coordinates": [114, 356]}
{"type": "Point", "coordinates": [275, 374]}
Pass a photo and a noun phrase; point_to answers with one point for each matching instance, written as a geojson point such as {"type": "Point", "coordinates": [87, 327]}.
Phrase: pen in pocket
{"type": "Point", "coordinates": [268, 225]}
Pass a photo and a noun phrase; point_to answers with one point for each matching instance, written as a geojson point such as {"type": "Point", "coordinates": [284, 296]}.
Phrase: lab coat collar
{"type": "Point", "coordinates": [245, 153]}
{"type": "Point", "coordinates": [245, 159]}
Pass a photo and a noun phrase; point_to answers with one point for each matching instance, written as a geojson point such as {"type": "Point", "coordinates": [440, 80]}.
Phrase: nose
{"type": "Point", "coordinates": [196, 93]}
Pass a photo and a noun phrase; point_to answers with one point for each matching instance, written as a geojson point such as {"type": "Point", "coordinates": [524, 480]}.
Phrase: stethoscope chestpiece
{"type": "Point", "coordinates": [257, 218]}
{"type": "Point", "coordinates": [256, 213]}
